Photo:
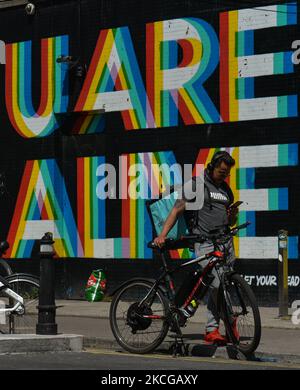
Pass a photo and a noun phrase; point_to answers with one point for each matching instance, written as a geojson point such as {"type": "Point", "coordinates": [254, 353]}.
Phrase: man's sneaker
{"type": "Point", "coordinates": [215, 337]}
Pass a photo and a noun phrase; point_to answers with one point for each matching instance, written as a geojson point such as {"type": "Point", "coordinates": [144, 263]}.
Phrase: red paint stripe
{"type": "Point", "coordinates": [9, 86]}
{"type": "Point", "coordinates": [201, 158]}
{"type": "Point", "coordinates": [91, 71]}
{"type": "Point", "coordinates": [150, 36]}
{"type": "Point", "coordinates": [185, 112]}
{"type": "Point", "coordinates": [19, 205]}
{"type": "Point", "coordinates": [224, 66]}
{"type": "Point", "coordinates": [188, 52]}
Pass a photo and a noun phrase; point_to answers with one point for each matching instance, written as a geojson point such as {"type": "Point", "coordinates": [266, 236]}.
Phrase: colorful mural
{"type": "Point", "coordinates": [137, 94]}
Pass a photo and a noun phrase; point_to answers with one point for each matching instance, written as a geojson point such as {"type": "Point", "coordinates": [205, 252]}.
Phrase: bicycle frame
{"type": "Point", "coordinates": [11, 294]}
{"type": "Point", "coordinates": [216, 257]}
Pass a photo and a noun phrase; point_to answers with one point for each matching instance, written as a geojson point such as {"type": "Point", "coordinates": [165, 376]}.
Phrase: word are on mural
{"type": "Point", "coordinates": [181, 56]}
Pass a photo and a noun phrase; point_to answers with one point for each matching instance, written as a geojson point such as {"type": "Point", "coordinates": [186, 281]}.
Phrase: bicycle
{"type": "Point", "coordinates": [143, 310]}
{"type": "Point", "coordinates": [18, 299]}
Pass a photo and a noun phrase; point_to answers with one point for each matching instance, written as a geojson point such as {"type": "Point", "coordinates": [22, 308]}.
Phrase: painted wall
{"type": "Point", "coordinates": [178, 80]}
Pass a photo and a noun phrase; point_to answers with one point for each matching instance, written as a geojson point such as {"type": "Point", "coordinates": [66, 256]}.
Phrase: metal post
{"type": "Point", "coordinates": [283, 273]}
{"type": "Point", "coordinates": [47, 308]}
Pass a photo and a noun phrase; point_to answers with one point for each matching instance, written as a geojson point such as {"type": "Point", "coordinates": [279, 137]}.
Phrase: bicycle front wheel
{"type": "Point", "coordinates": [138, 324]}
{"type": "Point", "coordinates": [24, 319]}
{"type": "Point", "coordinates": [241, 314]}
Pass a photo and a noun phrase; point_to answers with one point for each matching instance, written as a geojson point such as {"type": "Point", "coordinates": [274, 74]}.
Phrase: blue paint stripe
{"type": "Point", "coordinates": [283, 199]}
{"type": "Point", "coordinates": [173, 54]}
{"type": "Point", "coordinates": [248, 43]}
{"type": "Point", "coordinates": [250, 178]}
{"type": "Point", "coordinates": [251, 229]}
{"type": "Point", "coordinates": [293, 154]}
{"type": "Point", "coordinates": [292, 105]}
{"type": "Point", "coordinates": [249, 87]}
{"type": "Point", "coordinates": [28, 248]}
{"type": "Point", "coordinates": [293, 251]}
{"type": "Point", "coordinates": [26, 95]}
{"type": "Point", "coordinates": [287, 62]}
{"type": "Point", "coordinates": [64, 74]}
{"type": "Point", "coordinates": [291, 10]}
{"type": "Point", "coordinates": [173, 111]}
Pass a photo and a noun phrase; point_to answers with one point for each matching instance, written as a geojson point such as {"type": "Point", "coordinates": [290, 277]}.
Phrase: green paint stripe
{"type": "Point", "coordinates": [165, 108]}
{"type": "Point", "coordinates": [241, 179]}
{"type": "Point", "coordinates": [282, 106]}
{"type": "Point", "coordinates": [240, 88]}
{"type": "Point", "coordinates": [283, 155]}
{"type": "Point", "coordinates": [282, 15]}
{"type": "Point", "coordinates": [242, 218]}
{"type": "Point", "coordinates": [278, 64]}
{"type": "Point", "coordinates": [57, 51]}
{"type": "Point", "coordinates": [273, 198]}
{"type": "Point", "coordinates": [91, 196]}
{"type": "Point", "coordinates": [118, 248]}
{"type": "Point", "coordinates": [240, 46]}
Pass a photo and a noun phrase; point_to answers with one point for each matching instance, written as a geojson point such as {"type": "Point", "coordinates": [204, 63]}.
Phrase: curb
{"type": "Point", "coordinates": [40, 343]}
{"type": "Point", "coordinates": [198, 350]}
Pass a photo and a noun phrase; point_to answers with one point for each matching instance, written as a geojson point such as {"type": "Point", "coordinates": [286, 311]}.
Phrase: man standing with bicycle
{"type": "Point", "coordinates": [217, 212]}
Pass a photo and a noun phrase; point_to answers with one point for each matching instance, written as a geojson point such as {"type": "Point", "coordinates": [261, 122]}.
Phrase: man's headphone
{"type": "Point", "coordinates": [216, 157]}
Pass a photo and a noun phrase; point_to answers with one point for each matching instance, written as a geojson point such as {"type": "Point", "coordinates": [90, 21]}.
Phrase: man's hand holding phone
{"type": "Point", "coordinates": [236, 204]}
{"type": "Point", "coordinates": [232, 212]}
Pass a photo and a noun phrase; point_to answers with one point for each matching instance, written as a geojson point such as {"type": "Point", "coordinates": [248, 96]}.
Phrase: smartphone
{"type": "Point", "coordinates": [236, 204]}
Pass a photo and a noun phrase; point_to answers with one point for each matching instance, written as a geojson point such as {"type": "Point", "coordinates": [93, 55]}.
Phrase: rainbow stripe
{"type": "Point", "coordinates": [54, 99]}
{"type": "Point", "coordinates": [90, 209]}
{"type": "Point", "coordinates": [239, 66]}
{"type": "Point", "coordinates": [174, 87]}
{"type": "Point", "coordinates": [114, 81]}
{"type": "Point", "coordinates": [42, 205]}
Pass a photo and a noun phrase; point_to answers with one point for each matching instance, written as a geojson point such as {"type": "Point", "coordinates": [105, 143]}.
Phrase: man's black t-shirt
{"type": "Point", "coordinates": [214, 210]}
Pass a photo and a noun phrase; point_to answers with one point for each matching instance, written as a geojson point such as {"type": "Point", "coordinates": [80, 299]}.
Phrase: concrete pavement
{"type": "Point", "coordinates": [280, 337]}
{"type": "Point", "coordinates": [84, 324]}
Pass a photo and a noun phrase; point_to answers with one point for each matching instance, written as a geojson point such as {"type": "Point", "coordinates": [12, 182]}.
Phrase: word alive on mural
{"type": "Point", "coordinates": [175, 83]}
{"type": "Point", "coordinates": [43, 204]}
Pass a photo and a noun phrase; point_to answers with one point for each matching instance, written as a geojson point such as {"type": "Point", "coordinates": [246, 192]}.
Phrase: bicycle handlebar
{"type": "Point", "coordinates": [215, 236]}
{"type": "Point", "coordinates": [171, 243]}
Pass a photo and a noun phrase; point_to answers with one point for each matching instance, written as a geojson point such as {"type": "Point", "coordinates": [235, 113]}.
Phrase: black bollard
{"type": "Point", "coordinates": [47, 308]}
{"type": "Point", "coordinates": [283, 273]}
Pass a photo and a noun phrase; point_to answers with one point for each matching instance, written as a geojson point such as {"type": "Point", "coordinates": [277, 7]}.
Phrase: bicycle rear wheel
{"type": "Point", "coordinates": [241, 314]}
{"type": "Point", "coordinates": [24, 320]}
{"type": "Point", "coordinates": [139, 328]}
